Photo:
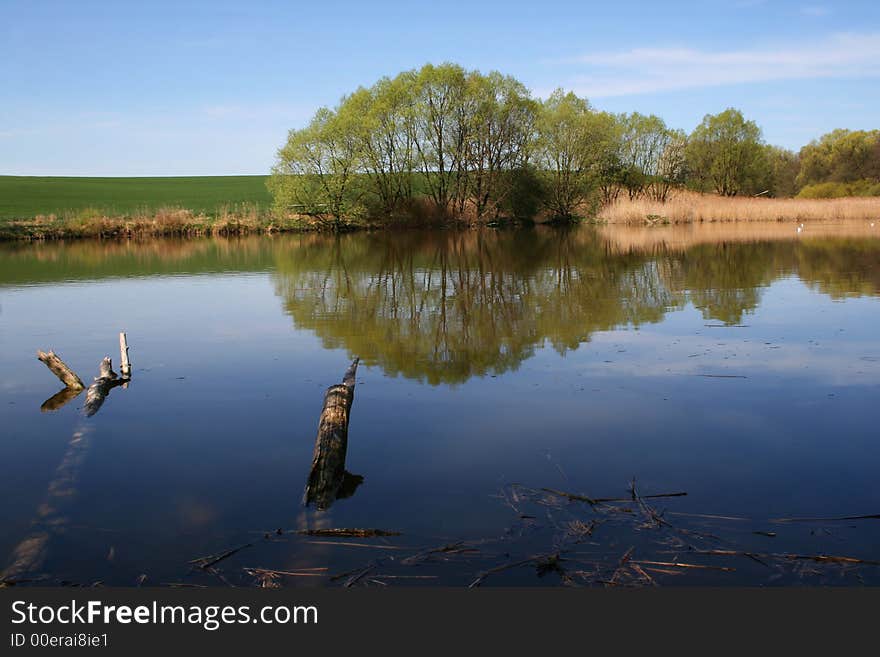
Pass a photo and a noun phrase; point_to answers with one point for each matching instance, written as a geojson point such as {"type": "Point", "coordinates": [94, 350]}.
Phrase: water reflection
{"type": "Point", "coordinates": [215, 446]}
{"type": "Point", "coordinates": [444, 307]}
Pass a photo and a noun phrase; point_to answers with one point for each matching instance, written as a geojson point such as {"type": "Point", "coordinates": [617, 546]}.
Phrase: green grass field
{"type": "Point", "coordinates": [24, 197]}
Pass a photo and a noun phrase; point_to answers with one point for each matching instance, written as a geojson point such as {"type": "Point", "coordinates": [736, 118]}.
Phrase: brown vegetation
{"type": "Point", "coordinates": [689, 207]}
{"type": "Point", "coordinates": [164, 222]}
{"type": "Point", "coordinates": [681, 207]}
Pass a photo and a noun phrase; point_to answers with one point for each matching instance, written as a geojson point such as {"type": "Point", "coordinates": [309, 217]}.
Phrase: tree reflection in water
{"type": "Point", "coordinates": [442, 307]}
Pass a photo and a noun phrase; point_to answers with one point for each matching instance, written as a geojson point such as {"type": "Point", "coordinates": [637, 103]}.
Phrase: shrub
{"type": "Point", "coordinates": [841, 189]}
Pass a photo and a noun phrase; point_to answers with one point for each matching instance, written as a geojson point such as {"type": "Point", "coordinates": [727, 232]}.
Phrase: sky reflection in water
{"type": "Point", "coordinates": [737, 363]}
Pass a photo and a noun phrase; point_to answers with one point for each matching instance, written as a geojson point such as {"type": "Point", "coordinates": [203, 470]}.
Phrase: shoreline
{"type": "Point", "coordinates": [25, 232]}
{"type": "Point", "coordinates": [681, 208]}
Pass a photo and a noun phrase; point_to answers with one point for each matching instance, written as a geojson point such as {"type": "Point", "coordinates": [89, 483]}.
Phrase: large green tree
{"type": "Point", "coordinates": [573, 144]}
{"type": "Point", "coordinates": [441, 123]}
{"type": "Point", "coordinates": [500, 139]}
{"type": "Point", "coordinates": [783, 166]}
{"type": "Point", "coordinates": [384, 130]}
{"type": "Point", "coordinates": [726, 151]}
{"type": "Point", "coordinates": [462, 145]}
{"type": "Point", "coordinates": [316, 169]}
{"type": "Point", "coordinates": [651, 155]}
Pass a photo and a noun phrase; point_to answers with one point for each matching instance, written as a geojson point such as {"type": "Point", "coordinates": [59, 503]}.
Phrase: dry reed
{"type": "Point", "coordinates": [690, 207]}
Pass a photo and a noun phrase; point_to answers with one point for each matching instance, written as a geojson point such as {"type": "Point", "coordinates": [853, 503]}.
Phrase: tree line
{"type": "Point", "coordinates": [445, 142]}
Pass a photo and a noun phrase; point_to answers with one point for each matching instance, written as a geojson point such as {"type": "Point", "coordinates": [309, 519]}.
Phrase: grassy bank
{"type": "Point", "coordinates": [26, 197]}
{"type": "Point", "coordinates": [164, 222]}
{"type": "Point", "coordinates": [689, 207]}
{"type": "Point", "coordinates": [63, 208]}
{"type": "Point", "coordinates": [34, 207]}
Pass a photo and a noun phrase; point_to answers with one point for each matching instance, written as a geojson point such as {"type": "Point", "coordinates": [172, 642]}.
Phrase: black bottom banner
{"type": "Point", "coordinates": [516, 621]}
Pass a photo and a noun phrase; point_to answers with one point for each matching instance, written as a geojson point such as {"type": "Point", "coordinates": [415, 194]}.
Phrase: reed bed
{"type": "Point", "coordinates": [691, 207]}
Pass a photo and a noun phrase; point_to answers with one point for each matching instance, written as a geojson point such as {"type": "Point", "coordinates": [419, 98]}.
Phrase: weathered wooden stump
{"type": "Point", "coordinates": [328, 479]}
{"type": "Point", "coordinates": [106, 380]}
{"type": "Point", "coordinates": [97, 392]}
{"type": "Point", "coordinates": [124, 364]}
{"type": "Point", "coordinates": [61, 370]}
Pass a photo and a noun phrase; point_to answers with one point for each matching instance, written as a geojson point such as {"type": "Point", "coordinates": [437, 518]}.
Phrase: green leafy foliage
{"type": "Point", "coordinates": [726, 153]}
{"type": "Point", "coordinates": [447, 143]}
{"type": "Point", "coordinates": [573, 146]}
{"type": "Point", "coordinates": [841, 156]}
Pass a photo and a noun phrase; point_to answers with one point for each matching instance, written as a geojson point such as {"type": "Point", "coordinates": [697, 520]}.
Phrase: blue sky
{"type": "Point", "coordinates": [189, 88]}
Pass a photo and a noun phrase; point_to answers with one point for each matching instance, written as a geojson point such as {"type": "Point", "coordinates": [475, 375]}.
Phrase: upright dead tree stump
{"type": "Point", "coordinates": [328, 479]}
{"type": "Point", "coordinates": [124, 364]}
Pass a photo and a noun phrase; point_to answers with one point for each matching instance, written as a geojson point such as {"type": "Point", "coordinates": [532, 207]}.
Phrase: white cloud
{"type": "Point", "coordinates": [651, 70]}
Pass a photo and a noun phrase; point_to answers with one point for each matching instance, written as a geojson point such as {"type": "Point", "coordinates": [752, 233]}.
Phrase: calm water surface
{"type": "Point", "coordinates": [739, 364]}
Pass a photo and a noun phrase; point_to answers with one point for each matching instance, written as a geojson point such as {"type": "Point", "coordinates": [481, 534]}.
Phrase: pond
{"type": "Point", "coordinates": [508, 382]}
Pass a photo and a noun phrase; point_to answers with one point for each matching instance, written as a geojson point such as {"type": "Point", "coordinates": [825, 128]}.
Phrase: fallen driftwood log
{"type": "Point", "coordinates": [60, 369]}
{"type": "Point", "coordinates": [328, 478]}
{"type": "Point", "coordinates": [97, 391]}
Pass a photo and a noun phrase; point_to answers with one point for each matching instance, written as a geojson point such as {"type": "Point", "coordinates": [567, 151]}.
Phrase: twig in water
{"type": "Point", "coordinates": [359, 533]}
{"type": "Point", "coordinates": [580, 529]}
{"type": "Point", "coordinates": [183, 585]}
{"type": "Point", "coordinates": [365, 545]}
{"type": "Point", "coordinates": [645, 508]}
{"type": "Point", "coordinates": [354, 579]}
{"type": "Point", "coordinates": [678, 564]}
{"type": "Point", "coordinates": [451, 548]}
{"type": "Point", "coordinates": [636, 567]}
{"type": "Point", "coordinates": [705, 515]}
{"type": "Point", "coordinates": [574, 497]}
{"type": "Point", "coordinates": [206, 562]}
{"type": "Point", "coordinates": [873, 516]}
{"type": "Point", "coordinates": [507, 566]}
{"type": "Point", "coordinates": [620, 566]}
{"type": "Point", "coordinates": [312, 572]}
{"type": "Point", "coordinates": [628, 499]}
{"type": "Point", "coordinates": [826, 558]}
